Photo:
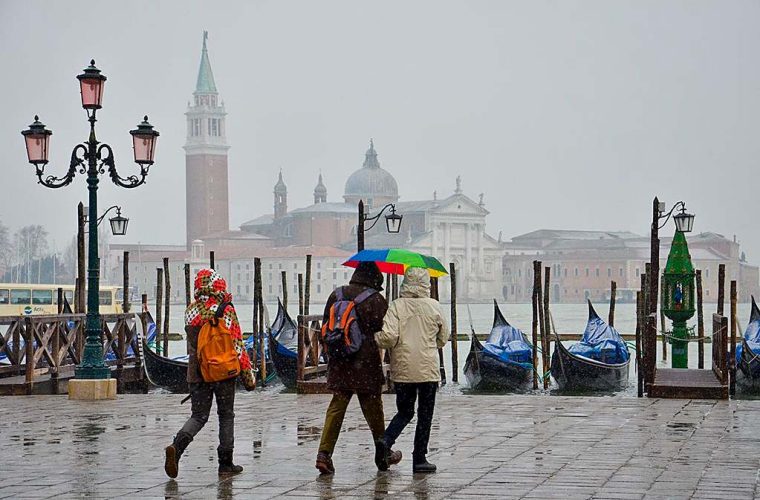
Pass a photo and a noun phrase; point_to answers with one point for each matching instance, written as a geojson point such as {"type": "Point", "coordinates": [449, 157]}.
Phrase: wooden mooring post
{"type": "Point", "coordinates": [258, 318]}
{"type": "Point", "coordinates": [188, 288]}
{"type": "Point", "coordinates": [307, 289]}
{"type": "Point", "coordinates": [159, 298]}
{"type": "Point", "coordinates": [300, 294]}
{"type": "Point", "coordinates": [732, 344]}
{"type": "Point", "coordinates": [547, 321]}
{"type": "Point", "coordinates": [284, 277]}
{"type": "Point", "coordinates": [167, 302]}
{"type": "Point", "coordinates": [388, 287]}
{"type": "Point", "coordinates": [700, 324]}
{"type": "Point", "coordinates": [211, 260]}
{"type": "Point", "coordinates": [454, 336]}
{"type": "Point", "coordinates": [721, 288]}
{"type": "Point", "coordinates": [144, 304]}
{"type": "Point", "coordinates": [541, 323]}
{"type": "Point", "coordinates": [125, 306]}
{"type": "Point", "coordinates": [613, 296]}
{"type": "Point", "coordinates": [80, 302]}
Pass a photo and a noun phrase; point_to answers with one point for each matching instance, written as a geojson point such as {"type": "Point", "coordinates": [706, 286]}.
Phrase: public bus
{"type": "Point", "coordinates": [23, 299]}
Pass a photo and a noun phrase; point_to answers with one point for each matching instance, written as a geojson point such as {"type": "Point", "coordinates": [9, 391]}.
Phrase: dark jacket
{"type": "Point", "coordinates": [193, 368]}
{"type": "Point", "coordinates": [362, 372]}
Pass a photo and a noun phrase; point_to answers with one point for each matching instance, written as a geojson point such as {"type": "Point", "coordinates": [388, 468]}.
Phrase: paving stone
{"type": "Point", "coordinates": [512, 446]}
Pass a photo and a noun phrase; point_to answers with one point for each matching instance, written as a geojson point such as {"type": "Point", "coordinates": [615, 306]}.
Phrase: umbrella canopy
{"type": "Point", "coordinates": [397, 261]}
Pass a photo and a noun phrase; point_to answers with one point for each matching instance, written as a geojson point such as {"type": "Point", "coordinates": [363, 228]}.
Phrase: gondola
{"type": "Point", "coordinates": [504, 363]}
{"type": "Point", "coordinates": [283, 347]}
{"type": "Point", "coordinates": [599, 362]}
{"type": "Point", "coordinates": [748, 353]}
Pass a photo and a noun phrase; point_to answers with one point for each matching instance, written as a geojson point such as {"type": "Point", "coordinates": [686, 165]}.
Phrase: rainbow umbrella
{"type": "Point", "coordinates": [397, 261]}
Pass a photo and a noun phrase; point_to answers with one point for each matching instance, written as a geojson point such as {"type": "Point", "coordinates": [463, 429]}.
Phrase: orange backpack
{"type": "Point", "coordinates": [217, 356]}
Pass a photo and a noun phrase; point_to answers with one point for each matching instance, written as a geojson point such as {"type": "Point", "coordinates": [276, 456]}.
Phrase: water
{"type": "Point", "coordinates": [568, 318]}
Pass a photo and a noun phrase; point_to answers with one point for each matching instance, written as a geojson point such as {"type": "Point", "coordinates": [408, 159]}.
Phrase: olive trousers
{"type": "Point", "coordinates": [372, 408]}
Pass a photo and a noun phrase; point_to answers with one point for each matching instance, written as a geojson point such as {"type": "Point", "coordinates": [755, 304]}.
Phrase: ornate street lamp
{"type": "Point", "coordinates": [92, 158]}
{"type": "Point", "coordinates": [392, 222]}
{"type": "Point", "coordinates": [118, 224]}
{"type": "Point", "coordinates": [684, 223]}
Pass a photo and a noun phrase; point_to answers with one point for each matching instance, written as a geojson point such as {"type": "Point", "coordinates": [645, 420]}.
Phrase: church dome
{"type": "Point", "coordinates": [371, 183]}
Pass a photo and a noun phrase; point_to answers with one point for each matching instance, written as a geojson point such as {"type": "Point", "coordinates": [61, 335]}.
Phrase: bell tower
{"type": "Point", "coordinates": [280, 198]}
{"type": "Point", "coordinates": [206, 184]}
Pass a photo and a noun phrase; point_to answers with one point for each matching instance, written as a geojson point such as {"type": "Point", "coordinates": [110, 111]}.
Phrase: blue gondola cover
{"type": "Point", "coordinates": [751, 334]}
{"type": "Point", "coordinates": [601, 342]}
{"type": "Point", "coordinates": [508, 344]}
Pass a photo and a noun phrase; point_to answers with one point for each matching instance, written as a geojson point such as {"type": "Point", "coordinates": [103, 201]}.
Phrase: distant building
{"type": "Point", "coordinates": [583, 263]}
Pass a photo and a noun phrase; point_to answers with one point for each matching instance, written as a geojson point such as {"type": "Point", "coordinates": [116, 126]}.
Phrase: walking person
{"type": "Point", "coordinates": [358, 373]}
{"type": "Point", "coordinates": [414, 330]}
{"type": "Point", "coordinates": [212, 308]}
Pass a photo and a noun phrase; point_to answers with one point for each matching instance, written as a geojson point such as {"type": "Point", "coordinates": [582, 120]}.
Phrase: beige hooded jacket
{"type": "Point", "coordinates": [413, 330]}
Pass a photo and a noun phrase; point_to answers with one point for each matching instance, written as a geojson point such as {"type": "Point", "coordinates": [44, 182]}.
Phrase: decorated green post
{"type": "Point", "coordinates": [678, 297]}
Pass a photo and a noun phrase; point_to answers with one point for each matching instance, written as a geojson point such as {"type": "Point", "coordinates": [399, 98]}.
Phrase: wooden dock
{"type": "Point", "coordinates": [687, 384]}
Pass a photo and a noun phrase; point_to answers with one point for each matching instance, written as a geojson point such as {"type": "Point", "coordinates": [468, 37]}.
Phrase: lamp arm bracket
{"type": "Point", "coordinates": [668, 215]}
{"type": "Point", "coordinates": [376, 218]}
{"type": "Point", "coordinates": [131, 181]}
{"type": "Point", "coordinates": [100, 219]}
{"type": "Point", "coordinates": [76, 162]}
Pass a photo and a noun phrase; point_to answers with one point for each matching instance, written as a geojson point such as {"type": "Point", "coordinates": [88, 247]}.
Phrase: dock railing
{"type": "Point", "coordinates": [720, 347]}
{"type": "Point", "coordinates": [39, 345]}
{"type": "Point", "coordinates": [309, 347]}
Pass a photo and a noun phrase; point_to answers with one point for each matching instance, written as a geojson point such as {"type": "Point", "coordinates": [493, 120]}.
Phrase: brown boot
{"type": "Point", "coordinates": [324, 463]}
{"type": "Point", "coordinates": [174, 452]}
{"type": "Point", "coordinates": [394, 457]}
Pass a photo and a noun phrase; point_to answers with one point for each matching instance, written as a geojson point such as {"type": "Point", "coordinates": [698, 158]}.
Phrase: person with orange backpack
{"type": "Point", "coordinates": [353, 314]}
{"type": "Point", "coordinates": [217, 359]}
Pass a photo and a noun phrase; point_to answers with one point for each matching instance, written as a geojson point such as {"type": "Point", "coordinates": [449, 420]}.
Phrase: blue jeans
{"type": "Point", "coordinates": [406, 395]}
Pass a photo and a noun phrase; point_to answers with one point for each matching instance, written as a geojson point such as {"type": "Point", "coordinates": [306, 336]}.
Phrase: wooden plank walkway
{"type": "Point", "coordinates": [687, 384]}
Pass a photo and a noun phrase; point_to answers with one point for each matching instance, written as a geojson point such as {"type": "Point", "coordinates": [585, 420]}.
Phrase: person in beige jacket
{"type": "Point", "coordinates": [413, 331]}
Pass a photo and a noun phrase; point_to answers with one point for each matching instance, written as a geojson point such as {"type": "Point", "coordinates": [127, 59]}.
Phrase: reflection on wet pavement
{"type": "Point", "coordinates": [489, 446]}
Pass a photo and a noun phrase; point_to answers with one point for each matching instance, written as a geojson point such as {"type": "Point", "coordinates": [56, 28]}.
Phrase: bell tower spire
{"type": "Point", "coordinates": [206, 185]}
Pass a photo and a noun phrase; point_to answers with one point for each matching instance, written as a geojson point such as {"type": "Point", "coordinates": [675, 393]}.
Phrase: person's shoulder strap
{"type": "Point", "coordinates": [367, 293]}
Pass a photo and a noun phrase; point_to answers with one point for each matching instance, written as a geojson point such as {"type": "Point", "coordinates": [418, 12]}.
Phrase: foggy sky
{"type": "Point", "coordinates": [565, 114]}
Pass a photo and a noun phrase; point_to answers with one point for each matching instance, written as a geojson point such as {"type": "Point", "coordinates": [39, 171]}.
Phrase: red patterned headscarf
{"type": "Point", "coordinates": [210, 293]}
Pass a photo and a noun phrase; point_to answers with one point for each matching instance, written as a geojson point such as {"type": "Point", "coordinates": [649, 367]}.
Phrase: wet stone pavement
{"type": "Point", "coordinates": [485, 446]}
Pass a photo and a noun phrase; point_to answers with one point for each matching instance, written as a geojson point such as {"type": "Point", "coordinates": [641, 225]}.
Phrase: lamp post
{"type": "Point", "coordinates": [92, 158]}
{"type": "Point", "coordinates": [392, 222]}
{"type": "Point", "coordinates": [678, 281]}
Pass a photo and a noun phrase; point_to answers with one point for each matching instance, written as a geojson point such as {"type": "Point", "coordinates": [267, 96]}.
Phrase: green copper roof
{"type": "Point", "coordinates": [679, 260]}
{"type": "Point", "coordinates": [205, 82]}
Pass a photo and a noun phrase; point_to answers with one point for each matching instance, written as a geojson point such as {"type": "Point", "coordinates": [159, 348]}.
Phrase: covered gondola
{"type": "Point", "coordinates": [748, 353]}
{"type": "Point", "coordinates": [283, 347]}
{"type": "Point", "coordinates": [599, 362]}
{"type": "Point", "coordinates": [504, 362]}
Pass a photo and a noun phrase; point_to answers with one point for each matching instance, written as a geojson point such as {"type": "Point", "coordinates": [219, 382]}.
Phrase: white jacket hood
{"type": "Point", "coordinates": [416, 283]}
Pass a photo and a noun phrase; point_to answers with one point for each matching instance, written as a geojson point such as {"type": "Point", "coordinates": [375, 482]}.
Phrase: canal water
{"type": "Point", "coordinates": [568, 319]}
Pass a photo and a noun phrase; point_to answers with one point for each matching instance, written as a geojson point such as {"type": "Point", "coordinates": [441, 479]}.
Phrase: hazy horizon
{"type": "Point", "coordinates": [569, 115]}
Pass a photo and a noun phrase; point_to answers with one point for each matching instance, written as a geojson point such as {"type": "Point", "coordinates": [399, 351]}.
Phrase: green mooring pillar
{"type": "Point", "coordinates": [679, 348]}
{"type": "Point", "coordinates": [678, 297]}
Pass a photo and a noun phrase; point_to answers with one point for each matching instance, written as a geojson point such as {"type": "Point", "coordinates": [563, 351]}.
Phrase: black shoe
{"type": "Point", "coordinates": [173, 453]}
{"type": "Point", "coordinates": [226, 467]}
{"type": "Point", "coordinates": [421, 465]}
{"type": "Point", "coordinates": [381, 455]}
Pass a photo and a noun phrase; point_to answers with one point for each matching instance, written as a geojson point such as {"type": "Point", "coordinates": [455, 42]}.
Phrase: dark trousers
{"type": "Point", "coordinates": [406, 394]}
{"type": "Point", "coordinates": [202, 395]}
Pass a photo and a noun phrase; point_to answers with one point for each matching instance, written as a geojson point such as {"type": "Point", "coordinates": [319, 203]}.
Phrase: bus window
{"type": "Point", "coordinates": [69, 296]}
{"type": "Point", "coordinates": [19, 296]}
{"type": "Point", "coordinates": [5, 296]}
{"type": "Point", "coordinates": [106, 298]}
{"type": "Point", "coordinates": [42, 297]}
